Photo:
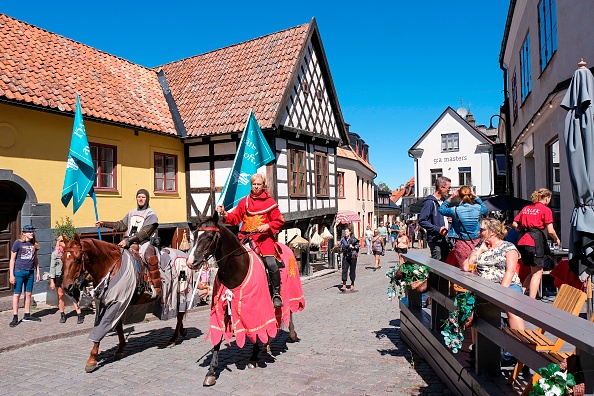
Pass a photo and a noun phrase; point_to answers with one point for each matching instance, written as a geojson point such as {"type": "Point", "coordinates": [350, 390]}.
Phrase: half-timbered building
{"type": "Point", "coordinates": [284, 78]}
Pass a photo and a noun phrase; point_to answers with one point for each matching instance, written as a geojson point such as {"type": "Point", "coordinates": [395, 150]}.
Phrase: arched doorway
{"type": "Point", "coordinates": [12, 198]}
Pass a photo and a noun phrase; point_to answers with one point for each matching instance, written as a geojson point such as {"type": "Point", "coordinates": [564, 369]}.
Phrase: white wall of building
{"type": "Point", "coordinates": [474, 152]}
{"type": "Point", "coordinates": [539, 120]}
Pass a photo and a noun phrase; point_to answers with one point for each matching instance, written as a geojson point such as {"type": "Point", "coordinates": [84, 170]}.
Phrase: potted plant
{"type": "Point", "coordinates": [64, 227]}
{"type": "Point", "coordinates": [459, 319]}
{"type": "Point", "coordinates": [554, 382]}
{"type": "Point", "coordinates": [408, 276]}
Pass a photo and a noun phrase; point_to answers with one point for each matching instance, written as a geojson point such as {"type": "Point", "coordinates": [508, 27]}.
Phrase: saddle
{"type": "Point", "coordinates": [247, 240]}
{"type": "Point", "coordinates": [144, 282]}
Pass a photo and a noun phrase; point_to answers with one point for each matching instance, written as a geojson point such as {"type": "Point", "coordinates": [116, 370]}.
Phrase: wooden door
{"type": "Point", "coordinates": [9, 227]}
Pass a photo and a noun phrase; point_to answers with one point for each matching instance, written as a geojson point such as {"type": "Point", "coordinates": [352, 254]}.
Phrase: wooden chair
{"type": "Point", "coordinates": [555, 357]}
{"type": "Point", "coordinates": [568, 299]}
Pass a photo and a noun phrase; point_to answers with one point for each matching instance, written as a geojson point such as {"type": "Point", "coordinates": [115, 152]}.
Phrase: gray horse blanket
{"type": "Point", "coordinates": [115, 300]}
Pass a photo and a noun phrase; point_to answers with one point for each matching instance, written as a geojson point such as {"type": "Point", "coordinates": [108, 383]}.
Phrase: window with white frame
{"type": "Point", "coordinates": [547, 27]}
{"type": "Point", "coordinates": [340, 184]}
{"type": "Point", "coordinates": [449, 142]}
{"type": "Point", "coordinates": [104, 158]}
{"type": "Point", "coordinates": [435, 173]}
{"type": "Point", "coordinates": [165, 172]}
{"type": "Point", "coordinates": [525, 68]}
{"type": "Point", "coordinates": [464, 176]}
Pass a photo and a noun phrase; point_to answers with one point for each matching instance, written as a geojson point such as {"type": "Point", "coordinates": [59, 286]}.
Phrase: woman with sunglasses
{"type": "Point", "coordinates": [496, 260]}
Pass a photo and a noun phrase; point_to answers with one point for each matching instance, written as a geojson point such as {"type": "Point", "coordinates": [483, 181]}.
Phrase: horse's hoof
{"type": "Point", "coordinates": [119, 355]}
{"type": "Point", "coordinates": [252, 364]}
{"type": "Point", "coordinates": [209, 380]}
{"type": "Point", "coordinates": [293, 335]}
{"type": "Point", "coordinates": [90, 367]}
{"type": "Point", "coordinates": [183, 332]}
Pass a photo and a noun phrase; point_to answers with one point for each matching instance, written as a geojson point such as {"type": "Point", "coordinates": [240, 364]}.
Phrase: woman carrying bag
{"type": "Point", "coordinates": [465, 227]}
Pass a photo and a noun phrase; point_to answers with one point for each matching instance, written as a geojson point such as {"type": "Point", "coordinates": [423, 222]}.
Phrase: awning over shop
{"type": "Point", "coordinates": [347, 217]}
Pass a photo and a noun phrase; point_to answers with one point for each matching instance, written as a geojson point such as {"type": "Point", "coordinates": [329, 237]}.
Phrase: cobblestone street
{"type": "Point", "coordinates": [348, 344]}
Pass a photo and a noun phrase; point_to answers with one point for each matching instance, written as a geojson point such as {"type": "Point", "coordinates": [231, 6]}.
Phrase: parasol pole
{"type": "Point", "coordinates": [589, 297]}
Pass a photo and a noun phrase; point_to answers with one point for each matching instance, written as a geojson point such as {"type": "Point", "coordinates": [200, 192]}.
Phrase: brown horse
{"type": "Point", "coordinates": [235, 263]}
{"type": "Point", "coordinates": [115, 277]}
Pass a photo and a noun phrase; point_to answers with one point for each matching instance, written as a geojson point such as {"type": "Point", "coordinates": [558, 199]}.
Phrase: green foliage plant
{"type": "Point", "coordinates": [454, 325]}
{"type": "Point", "coordinates": [402, 276]}
{"type": "Point", "coordinates": [554, 382]}
{"type": "Point", "coordinates": [64, 227]}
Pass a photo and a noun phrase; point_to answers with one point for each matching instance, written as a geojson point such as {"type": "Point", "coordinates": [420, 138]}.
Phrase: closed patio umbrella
{"type": "Point", "coordinates": [578, 135]}
{"type": "Point", "coordinates": [504, 202]}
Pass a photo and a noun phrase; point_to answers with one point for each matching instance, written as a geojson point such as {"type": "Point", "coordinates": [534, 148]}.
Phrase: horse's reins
{"type": "Point", "coordinates": [216, 239]}
{"type": "Point", "coordinates": [85, 272]}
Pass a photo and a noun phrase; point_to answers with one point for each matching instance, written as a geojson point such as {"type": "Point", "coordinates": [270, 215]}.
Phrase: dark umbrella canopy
{"type": "Point", "coordinates": [417, 206]}
{"type": "Point", "coordinates": [578, 135]}
{"type": "Point", "coordinates": [504, 202]}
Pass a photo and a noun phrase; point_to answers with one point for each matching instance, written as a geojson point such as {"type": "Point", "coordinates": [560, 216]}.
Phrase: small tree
{"type": "Point", "coordinates": [384, 187]}
{"type": "Point", "coordinates": [64, 227]}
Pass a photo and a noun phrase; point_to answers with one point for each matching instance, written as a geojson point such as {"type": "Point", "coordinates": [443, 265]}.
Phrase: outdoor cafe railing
{"type": "Point", "coordinates": [491, 299]}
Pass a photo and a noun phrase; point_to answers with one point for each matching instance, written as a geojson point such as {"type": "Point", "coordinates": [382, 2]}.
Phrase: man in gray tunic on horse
{"type": "Point", "coordinates": [139, 225]}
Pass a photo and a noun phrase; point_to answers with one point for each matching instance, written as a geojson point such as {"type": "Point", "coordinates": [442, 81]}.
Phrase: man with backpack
{"type": "Point", "coordinates": [434, 222]}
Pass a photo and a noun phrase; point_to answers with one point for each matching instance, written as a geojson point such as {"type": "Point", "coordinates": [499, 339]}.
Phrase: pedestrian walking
{"type": "Point", "coordinates": [531, 222]}
{"type": "Point", "coordinates": [434, 222]}
{"type": "Point", "coordinates": [24, 270]}
{"type": "Point", "coordinates": [410, 230]}
{"type": "Point", "coordinates": [421, 237]}
{"type": "Point", "coordinates": [368, 236]}
{"type": "Point", "coordinates": [383, 232]}
{"type": "Point", "coordinates": [378, 247]}
{"type": "Point", "coordinates": [394, 228]}
{"type": "Point", "coordinates": [350, 250]}
{"type": "Point", "coordinates": [56, 281]}
{"type": "Point", "coordinates": [465, 221]}
{"type": "Point", "coordinates": [402, 246]}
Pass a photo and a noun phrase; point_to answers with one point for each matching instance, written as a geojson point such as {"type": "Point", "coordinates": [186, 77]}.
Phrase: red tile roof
{"type": "Point", "coordinates": [47, 70]}
{"type": "Point", "coordinates": [214, 91]}
{"type": "Point", "coordinates": [350, 154]}
{"type": "Point", "coordinates": [407, 191]}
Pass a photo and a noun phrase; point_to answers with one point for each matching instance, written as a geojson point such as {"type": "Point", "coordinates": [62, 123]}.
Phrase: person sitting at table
{"type": "Point", "coordinates": [496, 260]}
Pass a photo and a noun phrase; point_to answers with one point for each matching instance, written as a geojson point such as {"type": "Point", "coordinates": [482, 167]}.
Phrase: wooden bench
{"type": "Point", "coordinates": [492, 298]}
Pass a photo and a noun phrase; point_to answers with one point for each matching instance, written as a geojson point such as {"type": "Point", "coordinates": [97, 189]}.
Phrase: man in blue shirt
{"type": "Point", "coordinates": [434, 222]}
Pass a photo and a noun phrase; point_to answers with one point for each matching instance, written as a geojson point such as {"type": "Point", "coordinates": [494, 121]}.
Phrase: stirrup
{"type": "Point", "coordinates": [277, 300]}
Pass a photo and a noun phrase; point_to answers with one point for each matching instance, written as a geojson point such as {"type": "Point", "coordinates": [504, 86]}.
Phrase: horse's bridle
{"type": "Point", "coordinates": [83, 258]}
{"type": "Point", "coordinates": [215, 241]}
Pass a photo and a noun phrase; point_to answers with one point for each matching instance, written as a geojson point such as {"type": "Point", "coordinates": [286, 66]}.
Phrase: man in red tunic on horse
{"type": "Point", "coordinates": [259, 214]}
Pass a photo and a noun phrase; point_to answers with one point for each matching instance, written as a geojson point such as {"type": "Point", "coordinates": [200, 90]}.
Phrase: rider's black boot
{"type": "Point", "coordinates": [276, 287]}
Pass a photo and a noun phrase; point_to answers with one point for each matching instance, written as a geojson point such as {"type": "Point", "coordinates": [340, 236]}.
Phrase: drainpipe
{"type": "Point", "coordinates": [505, 109]}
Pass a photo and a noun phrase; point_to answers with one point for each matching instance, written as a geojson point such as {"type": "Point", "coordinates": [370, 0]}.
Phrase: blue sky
{"type": "Point", "coordinates": [396, 65]}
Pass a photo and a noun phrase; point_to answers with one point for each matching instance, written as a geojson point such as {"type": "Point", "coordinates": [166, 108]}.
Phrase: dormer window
{"type": "Point", "coordinates": [305, 86]}
{"type": "Point", "coordinates": [320, 94]}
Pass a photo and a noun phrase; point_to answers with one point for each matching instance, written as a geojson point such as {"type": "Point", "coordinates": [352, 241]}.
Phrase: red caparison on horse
{"type": "Point", "coordinates": [241, 301]}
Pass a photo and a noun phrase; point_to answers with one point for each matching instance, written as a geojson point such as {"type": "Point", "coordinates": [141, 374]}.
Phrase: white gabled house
{"type": "Point", "coordinates": [455, 148]}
